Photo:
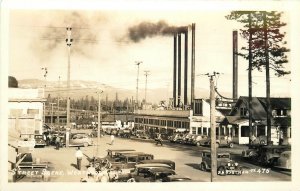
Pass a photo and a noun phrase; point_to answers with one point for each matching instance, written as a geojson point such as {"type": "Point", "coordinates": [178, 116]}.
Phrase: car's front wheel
{"type": "Point", "coordinates": [230, 145]}
{"type": "Point", "coordinates": [198, 144]}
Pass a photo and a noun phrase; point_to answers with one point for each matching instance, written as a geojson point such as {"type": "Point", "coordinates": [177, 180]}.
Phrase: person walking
{"type": "Point", "coordinates": [112, 139]}
{"type": "Point", "coordinates": [159, 139]}
{"type": "Point", "coordinates": [78, 156]}
{"type": "Point", "coordinates": [57, 142]}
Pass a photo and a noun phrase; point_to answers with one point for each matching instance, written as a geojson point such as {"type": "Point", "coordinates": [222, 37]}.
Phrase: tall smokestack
{"type": "Point", "coordinates": [235, 65]}
{"type": "Point", "coordinates": [185, 65]}
{"type": "Point", "coordinates": [175, 70]}
{"type": "Point", "coordinates": [193, 67]}
{"type": "Point", "coordinates": [179, 69]}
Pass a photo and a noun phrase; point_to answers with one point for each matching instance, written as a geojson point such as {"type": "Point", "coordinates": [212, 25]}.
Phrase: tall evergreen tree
{"type": "Point", "coordinates": [268, 49]}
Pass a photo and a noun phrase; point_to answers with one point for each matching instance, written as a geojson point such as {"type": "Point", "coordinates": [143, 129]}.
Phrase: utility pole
{"type": "Point", "coordinates": [99, 120]}
{"type": "Point", "coordinates": [69, 43]}
{"type": "Point", "coordinates": [44, 105]}
{"type": "Point", "coordinates": [213, 128]}
{"type": "Point", "coordinates": [146, 74]}
{"type": "Point", "coordinates": [52, 113]}
{"type": "Point", "coordinates": [58, 100]}
{"type": "Point", "coordinates": [137, 83]}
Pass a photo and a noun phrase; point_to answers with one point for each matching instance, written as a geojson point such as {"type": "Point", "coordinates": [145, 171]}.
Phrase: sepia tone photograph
{"type": "Point", "coordinates": [136, 94]}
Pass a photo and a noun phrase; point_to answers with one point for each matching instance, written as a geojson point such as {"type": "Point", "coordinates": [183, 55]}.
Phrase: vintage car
{"type": "Point", "coordinates": [161, 161]}
{"type": "Point", "coordinates": [152, 175]}
{"type": "Point", "coordinates": [94, 133]}
{"type": "Point", "coordinates": [199, 140]}
{"type": "Point", "coordinates": [129, 160]}
{"type": "Point", "coordinates": [80, 139]}
{"type": "Point", "coordinates": [114, 153]}
{"type": "Point", "coordinates": [176, 178]}
{"type": "Point", "coordinates": [187, 137]}
{"type": "Point", "coordinates": [39, 141]}
{"type": "Point", "coordinates": [224, 141]}
{"type": "Point", "coordinates": [225, 165]}
{"type": "Point", "coordinates": [139, 170]}
{"type": "Point", "coordinates": [125, 133]}
{"type": "Point", "coordinates": [265, 155]}
{"type": "Point", "coordinates": [284, 161]}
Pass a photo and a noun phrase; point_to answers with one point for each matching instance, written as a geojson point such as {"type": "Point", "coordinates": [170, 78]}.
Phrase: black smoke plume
{"type": "Point", "coordinates": [147, 29]}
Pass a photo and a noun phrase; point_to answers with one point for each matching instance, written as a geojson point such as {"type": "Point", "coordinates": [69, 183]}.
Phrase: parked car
{"type": "Point", "coordinates": [268, 154]}
{"type": "Point", "coordinates": [260, 140]}
{"type": "Point", "coordinates": [179, 138]}
{"type": "Point", "coordinates": [138, 170]}
{"type": "Point", "coordinates": [161, 161]}
{"type": "Point", "coordinates": [198, 139]}
{"type": "Point", "coordinates": [80, 139]}
{"type": "Point", "coordinates": [152, 175]}
{"type": "Point", "coordinates": [129, 160]}
{"type": "Point", "coordinates": [125, 133]}
{"type": "Point", "coordinates": [94, 133]}
{"type": "Point", "coordinates": [265, 155]}
{"type": "Point", "coordinates": [284, 161]}
{"type": "Point", "coordinates": [176, 178]}
{"type": "Point", "coordinates": [39, 141]}
{"type": "Point", "coordinates": [187, 138]}
{"type": "Point", "coordinates": [225, 165]}
{"type": "Point", "coordinates": [224, 141]}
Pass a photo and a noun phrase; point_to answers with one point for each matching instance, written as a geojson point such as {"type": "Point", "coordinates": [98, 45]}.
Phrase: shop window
{"type": "Point", "coordinates": [204, 130]}
{"type": "Point", "coordinates": [170, 123]}
{"type": "Point", "coordinates": [199, 131]}
{"type": "Point", "coordinates": [194, 130]}
{"type": "Point", "coordinates": [245, 131]}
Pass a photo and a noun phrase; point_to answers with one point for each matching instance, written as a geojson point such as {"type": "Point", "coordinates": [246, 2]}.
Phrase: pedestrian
{"type": "Point", "coordinates": [159, 139]}
{"type": "Point", "coordinates": [112, 139]}
{"type": "Point", "coordinates": [57, 142]}
{"type": "Point", "coordinates": [78, 156]}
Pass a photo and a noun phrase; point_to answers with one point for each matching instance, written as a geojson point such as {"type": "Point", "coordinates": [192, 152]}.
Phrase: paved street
{"type": "Point", "coordinates": [62, 162]}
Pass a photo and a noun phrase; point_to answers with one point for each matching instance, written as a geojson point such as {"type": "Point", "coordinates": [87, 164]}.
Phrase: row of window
{"type": "Point", "coordinates": [162, 122]}
{"type": "Point", "coordinates": [20, 112]}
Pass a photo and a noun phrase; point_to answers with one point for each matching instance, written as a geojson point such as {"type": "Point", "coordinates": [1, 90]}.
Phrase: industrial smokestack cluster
{"type": "Point", "coordinates": [177, 99]}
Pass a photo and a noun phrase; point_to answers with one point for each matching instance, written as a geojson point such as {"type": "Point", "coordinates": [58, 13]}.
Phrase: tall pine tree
{"type": "Point", "coordinates": [266, 49]}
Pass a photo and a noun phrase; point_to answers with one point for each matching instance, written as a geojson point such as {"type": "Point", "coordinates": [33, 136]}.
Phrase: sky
{"type": "Point", "coordinates": [103, 51]}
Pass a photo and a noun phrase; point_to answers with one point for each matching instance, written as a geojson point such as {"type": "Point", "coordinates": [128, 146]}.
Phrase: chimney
{"type": "Point", "coordinates": [193, 67]}
{"type": "Point", "coordinates": [175, 70]}
{"type": "Point", "coordinates": [235, 65]}
{"type": "Point", "coordinates": [185, 65]}
{"type": "Point", "coordinates": [179, 69]}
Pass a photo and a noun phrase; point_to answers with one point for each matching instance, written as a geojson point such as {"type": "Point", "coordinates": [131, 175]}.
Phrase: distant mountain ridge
{"type": "Point", "coordinates": [81, 88]}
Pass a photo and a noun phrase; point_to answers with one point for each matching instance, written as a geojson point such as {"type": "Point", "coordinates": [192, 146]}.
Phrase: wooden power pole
{"type": "Point", "coordinates": [213, 129]}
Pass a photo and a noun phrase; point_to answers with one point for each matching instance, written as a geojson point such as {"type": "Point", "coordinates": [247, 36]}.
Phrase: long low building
{"type": "Point", "coordinates": [162, 121]}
